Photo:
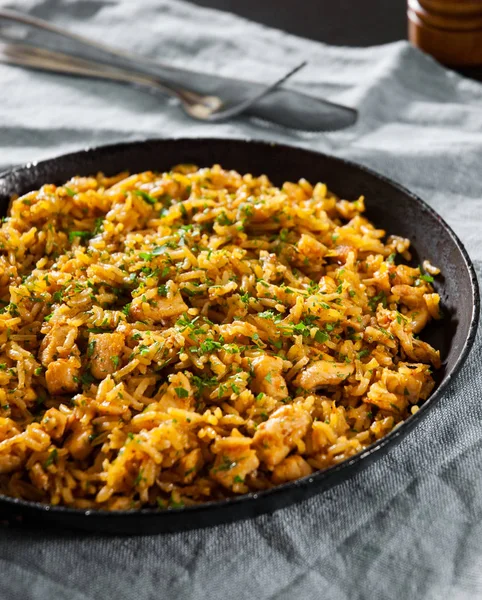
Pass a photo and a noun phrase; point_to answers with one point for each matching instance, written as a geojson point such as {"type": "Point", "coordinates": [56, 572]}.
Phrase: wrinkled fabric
{"type": "Point", "coordinates": [410, 525]}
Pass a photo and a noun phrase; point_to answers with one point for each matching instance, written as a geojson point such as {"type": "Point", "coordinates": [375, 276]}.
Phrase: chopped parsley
{"type": "Point", "coordinates": [83, 235]}
{"type": "Point", "coordinates": [99, 223]}
{"type": "Point", "coordinates": [209, 345]}
{"type": "Point", "coordinates": [139, 477]}
{"type": "Point", "coordinates": [174, 504]}
{"type": "Point", "coordinates": [145, 196]}
{"type": "Point", "coordinates": [376, 300]}
{"type": "Point", "coordinates": [91, 347]}
{"type": "Point", "coordinates": [52, 458]}
{"type": "Point", "coordinates": [87, 378]}
{"type": "Point", "coordinates": [226, 464]}
{"type": "Point", "coordinates": [321, 336]}
{"type": "Point", "coordinates": [202, 383]}
{"type": "Point", "coordinates": [181, 392]}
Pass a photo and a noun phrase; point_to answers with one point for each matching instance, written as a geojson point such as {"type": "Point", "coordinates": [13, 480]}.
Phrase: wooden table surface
{"type": "Point", "coordinates": [339, 22]}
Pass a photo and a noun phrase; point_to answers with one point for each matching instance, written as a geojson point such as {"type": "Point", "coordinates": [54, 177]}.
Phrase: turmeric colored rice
{"type": "Point", "coordinates": [174, 338]}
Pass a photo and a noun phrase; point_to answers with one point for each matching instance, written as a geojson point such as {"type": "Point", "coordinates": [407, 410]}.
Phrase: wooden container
{"type": "Point", "coordinates": [449, 30]}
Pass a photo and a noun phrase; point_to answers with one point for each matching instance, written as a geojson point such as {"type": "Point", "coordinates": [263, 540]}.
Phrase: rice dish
{"type": "Point", "coordinates": [174, 338]}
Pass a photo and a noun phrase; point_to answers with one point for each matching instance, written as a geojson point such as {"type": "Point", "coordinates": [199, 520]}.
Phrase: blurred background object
{"type": "Point", "coordinates": [342, 23]}
{"type": "Point", "coordinates": [449, 30]}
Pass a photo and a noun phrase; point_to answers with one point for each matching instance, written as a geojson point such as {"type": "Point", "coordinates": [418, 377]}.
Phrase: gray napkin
{"type": "Point", "coordinates": [410, 526]}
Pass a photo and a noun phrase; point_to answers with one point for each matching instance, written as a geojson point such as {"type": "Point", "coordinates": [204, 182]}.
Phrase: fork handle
{"type": "Point", "coordinates": [185, 95]}
{"type": "Point", "coordinates": [58, 62]}
{"type": "Point", "coordinates": [16, 17]}
{"type": "Point", "coordinates": [174, 80]}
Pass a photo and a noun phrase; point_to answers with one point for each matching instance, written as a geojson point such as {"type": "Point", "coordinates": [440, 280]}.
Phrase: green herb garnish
{"type": "Point", "coordinates": [83, 235]}
{"type": "Point", "coordinates": [145, 196]}
{"type": "Point", "coordinates": [181, 392]}
{"type": "Point", "coordinates": [51, 458]}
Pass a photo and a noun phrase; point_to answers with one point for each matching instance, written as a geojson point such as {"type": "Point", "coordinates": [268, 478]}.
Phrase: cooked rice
{"type": "Point", "coordinates": [169, 339]}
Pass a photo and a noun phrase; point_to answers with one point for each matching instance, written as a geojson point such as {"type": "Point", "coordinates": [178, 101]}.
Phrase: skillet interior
{"type": "Point", "coordinates": [389, 206]}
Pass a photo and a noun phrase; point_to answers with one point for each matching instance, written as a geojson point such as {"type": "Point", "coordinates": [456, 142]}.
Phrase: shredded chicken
{"type": "Point", "coordinates": [324, 372]}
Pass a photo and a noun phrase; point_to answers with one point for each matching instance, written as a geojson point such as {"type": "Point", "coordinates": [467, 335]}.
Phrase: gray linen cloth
{"type": "Point", "coordinates": [409, 526]}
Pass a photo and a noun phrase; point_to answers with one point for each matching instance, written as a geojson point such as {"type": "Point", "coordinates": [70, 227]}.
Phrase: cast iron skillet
{"type": "Point", "coordinates": [390, 206]}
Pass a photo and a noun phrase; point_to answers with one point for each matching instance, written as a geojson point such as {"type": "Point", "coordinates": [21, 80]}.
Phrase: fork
{"type": "Point", "coordinates": [198, 106]}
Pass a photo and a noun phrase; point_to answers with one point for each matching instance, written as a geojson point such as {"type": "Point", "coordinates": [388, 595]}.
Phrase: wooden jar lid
{"type": "Point", "coordinates": [455, 7]}
{"type": "Point", "coordinates": [450, 31]}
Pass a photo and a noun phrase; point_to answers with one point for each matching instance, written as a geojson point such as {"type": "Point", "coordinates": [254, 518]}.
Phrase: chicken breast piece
{"type": "Point", "coordinates": [62, 376]}
{"type": "Point", "coordinates": [190, 464]}
{"type": "Point", "coordinates": [291, 468]}
{"type": "Point", "coordinates": [324, 372]}
{"type": "Point", "coordinates": [179, 394]}
{"type": "Point", "coordinates": [105, 350]}
{"type": "Point", "coordinates": [58, 343]}
{"type": "Point", "coordinates": [276, 437]}
{"type": "Point", "coordinates": [310, 252]}
{"type": "Point", "coordinates": [157, 308]}
{"type": "Point", "coordinates": [53, 423]}
{"type": "Point", "coordinates": [268, 378]}
{"type": "Point", "coordinates": [397, 389]}
{"type": "Point", "coordinates": [78, 443]}
{"type": "Point", "coordinates": [409, 295]}
{"type": "Point", "coordinates": [416, 350]}
{"type": "Point", "coordinates": [379, 395]}
{"type": "Point", "coordinates": [234, 460]}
